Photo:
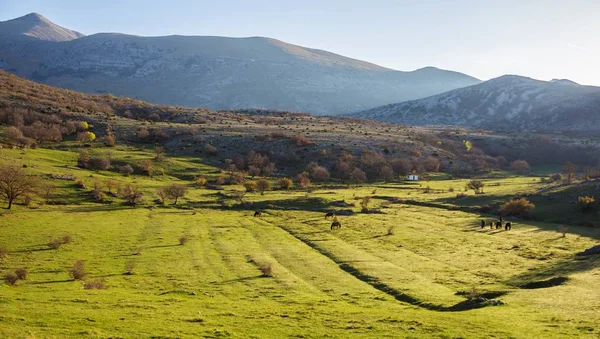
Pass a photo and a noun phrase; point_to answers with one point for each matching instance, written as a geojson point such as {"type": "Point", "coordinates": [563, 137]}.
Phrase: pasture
{"type": "Point", "coordinates": [415, 267]}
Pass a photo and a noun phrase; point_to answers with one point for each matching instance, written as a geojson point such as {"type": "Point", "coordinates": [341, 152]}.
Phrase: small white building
{"type": "Point", "coordinates": [412, 177]}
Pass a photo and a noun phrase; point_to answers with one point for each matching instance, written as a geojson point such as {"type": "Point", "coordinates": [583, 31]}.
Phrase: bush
{"type": "Point", "coordinates": [98, 164]}
{"type": "Point", "coordinates": [96, 284]}
{"type": "Point", "coordinates": [183, 240]}
{"type": "Point", "coordinates": [3, 252]}
{"type": "Point", "coordinates": [201, 181]}
{"type": "Point", "coordinates": [266, 269]}
{"type": "Point", "coordinates": [210, 150]}
{"type": "Point", "coordinates": [11, 278]}
{"type": "Point", "coordinates": [146, 166]}
{"type": "Point", "coordinates": [320, 173]}
{"type": "Point", "coordinates": [250, 186]}
{"type": "Point", "coordinates": [98, 196]}
{"type": "Point", "coordinates": [55, 244]}
{"type": "Point", "coordinates": [556, 177]}
{"type": "Point", "coordinates": [129, 267]}
{"type": "Point", "coordinates": [77, 271]}
{"type": "Point", "coordinates": [126, 170]}
{"type": "Point", "coordinates": [22, 273]}
{"type": "Point", "coordinates": [476, 186]}
{"type": "Point", "coordinates": [286, 183]}
{"type": "Point", "coordinates": [364, 204]}
{"type": "Point", "coordinates": [587, 204]}
{"type": "Point", "coordinates": [518, 207]}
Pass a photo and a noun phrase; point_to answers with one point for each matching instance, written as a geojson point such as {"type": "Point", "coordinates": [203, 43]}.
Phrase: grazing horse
{"type": "Point", "coordinates": [508, 226]}
{"type": "Point", "coordinates": [501, 220]}
{"type": "Point", "coordinates": [491, 224]}
{"type": "Point", "coordinates": [257, 213]}
{"type": "Point", "coordinates": [482, 223]}
{"type": "Point", "coordinates": [336, 224]}
{"type": "Point", "coordinates": [329, 214]}
{"type": "Point", "coordinates": [498, 224]}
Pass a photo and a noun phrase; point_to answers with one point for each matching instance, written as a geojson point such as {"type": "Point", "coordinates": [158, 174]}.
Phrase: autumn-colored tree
{"type": "Point", "coordinates": [320, 173]}
{"type": "Point", "coordinates": [358, 176]}
{"type": "Point", "coordinates": [15, 183]}
{"type": "Point", "coordinates": [286, 183]}
{"type": "Point", "coordinates": [131, 194]}
{"type": "Point", "coordinates": [476, 186]}
{"type": "Point", "coordinates": [262, 185]}
{"type": "Point", "coordinates": [520, 166]}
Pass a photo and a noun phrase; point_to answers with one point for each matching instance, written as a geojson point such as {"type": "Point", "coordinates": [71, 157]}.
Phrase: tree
{"type": "Point", "coordinates": [520, 166]}
{"type": "Point", "coordinates": [358, 176]}
{"type": "Point", "coordinates": [320, 173]}
{"type": "Point", "coordinates": [176, 191]}
{"type": "Point", "coordinates": [15, 183]}
{"type": "Point", "coordinates": [476, 186]}
{"type": "Point", "coordinates": [45, 190]}
{"type": "Point", "coordinates": [132, 194]}
{"type": "Point", "coordinates": [286, 183]}
{"type": "Point", "coordinates": [162, 194]}
{"type": "Point", "coordinates": [86, 136]}
{"type": "Point", "coordinates": [570, 170]}
{"type": "Point", "coordinates": [160, 153]}
{"type": "Point", "coordinates": [304, 179]}
{"type": "Point", "coordinates": [262, 185]}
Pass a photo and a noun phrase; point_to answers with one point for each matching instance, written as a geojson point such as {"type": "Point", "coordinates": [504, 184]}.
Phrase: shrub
{"type": "Point", "coordinates": [11, 278]}
{"type": "Point", "coordinates": [250, 186]}
{"type": "Point", "coordinates": [286, 183]}
{"type": "Point", "coordinates": [201, 181]}
{"type": "Point", "coordinates": [364, 203]}
{"type": "Point", "coordinates": [98, 196]}
{"type": "Point", "coordinates": [518, 207]}
{"type": "Point", "coordinates": [98, 164]}
{"type": "Point", "coordinates": [3, 252]}
{"type": "Point", "coordinates": [476, 186]}
{"type": "Point", "coordinates": [55, 244]}
{"type": "Point", "coordinates": [210, 150]}
{"type": "Point", "coordinates": [556, 177]}
{"type": "Point", "coordinates": [66, 239]}
{"type": "Point", "coordinates": [77, 271]}
{"type": "Point", "coordinates": [300, 140]}
{"type": "Point", "coordinates": [586, 203]}
{"type": "Point", "coordinates": [175, 191]}
{"type": "Point", "coordinates": [83, 158]}
{"type": "Point", "coordinates": [109, 141]}
{"type": "Point", "coordinates": [96, 284]}
{"type": "Point", "coordinates": [262, 185]}
{"type": "Point", "coordinates": [126, 170]}
{"type": "Point", "coordinates": [266, 269]}
{"type": "Point", "coordinates": [183, 240]}
{"type": "Point", "coordinates": [146, 166]}
{"type": "Point", "coordinates": [129, 267]}
{"type": "Point", "coordinates": [86, 136]}
{"type": "Point", "coordinates": [131, 194]}
{"type": "Point", "coordinates": [22, 273]}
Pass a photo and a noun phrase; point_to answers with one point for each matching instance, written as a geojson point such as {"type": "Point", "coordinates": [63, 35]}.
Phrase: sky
{"type": "Point", "coordinates": [542, 39]}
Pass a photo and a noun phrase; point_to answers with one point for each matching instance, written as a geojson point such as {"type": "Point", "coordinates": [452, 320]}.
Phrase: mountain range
{"type": "Point", "coordinates": [507, 102]}
{"type": "Point", "coordinates": [210, 71]}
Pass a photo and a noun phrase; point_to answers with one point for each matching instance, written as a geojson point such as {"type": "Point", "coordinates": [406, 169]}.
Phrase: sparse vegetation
{"type": "Point", "coordinates": [77, 271]}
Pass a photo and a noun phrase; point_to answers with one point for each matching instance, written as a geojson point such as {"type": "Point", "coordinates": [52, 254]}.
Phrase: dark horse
{"type": "Point", "coordinates": [329, 214]}
{"type": "Point", "coordinates": [508, 226]}
{"type": "Point", "coordinates": [336, 224]}
{"type": "Point", "coordinates": [482, 223]}
{"type": "Point", "coordinates": [498, 224]}
{"type": "Point", "coordinates": [257, 213]}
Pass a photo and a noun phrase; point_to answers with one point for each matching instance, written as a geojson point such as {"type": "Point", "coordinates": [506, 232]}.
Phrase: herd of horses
{"type": "Point", "coordinates": [336, 224]}
{"type": "Point", "coordinates": [497, 224]}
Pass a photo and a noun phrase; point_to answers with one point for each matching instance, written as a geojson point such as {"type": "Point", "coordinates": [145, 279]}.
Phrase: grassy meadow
{"type": "Point", "coordinates": [411, 269]}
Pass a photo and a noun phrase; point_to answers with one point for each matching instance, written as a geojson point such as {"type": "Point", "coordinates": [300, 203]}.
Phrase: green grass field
{"type": "Point", "coordinates": [401, 273]}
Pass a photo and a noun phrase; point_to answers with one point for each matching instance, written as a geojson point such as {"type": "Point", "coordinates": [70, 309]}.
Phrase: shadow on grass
{"type": "Point", "coordinates": [231, 281]}
{"type": "Point", "coordinates": [51, 282]}
{"type": "Point", "coordinates": [562, 268]}
{"type": "Point", "coordinates": [383, 287]}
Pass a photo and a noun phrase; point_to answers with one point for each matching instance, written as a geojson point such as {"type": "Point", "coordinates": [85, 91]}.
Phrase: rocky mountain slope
{"type": "Point", "coordinates": [214, 72]}
{"type": "Point", "coordinates": [507, 102]}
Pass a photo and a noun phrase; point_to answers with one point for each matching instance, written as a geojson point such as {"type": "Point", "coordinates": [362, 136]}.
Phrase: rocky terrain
{"type": "Point", "coordinates": [208, 71]}
{"type": "Point", "coordinates": [507, 102]}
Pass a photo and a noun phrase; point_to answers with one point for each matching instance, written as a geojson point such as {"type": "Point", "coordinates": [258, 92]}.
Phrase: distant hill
{"type": "Point", "coordinates": [208, 71]}
{"type": "Point", "coordinates": [507, 102]}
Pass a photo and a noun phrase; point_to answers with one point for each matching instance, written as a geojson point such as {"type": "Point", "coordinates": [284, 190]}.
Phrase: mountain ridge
{"type": "Point", "coordinates": [508, 101]}
{"type": "Point", "coordinates": [220, 72]}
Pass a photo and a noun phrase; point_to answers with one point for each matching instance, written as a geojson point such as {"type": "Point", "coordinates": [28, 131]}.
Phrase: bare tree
{"type": "Point", "coordinates": [570, 170]}
{"type": "Point", "coordinates": [476, 186]}
{"type": "Point", "coordinates": [176, 191]}
{"type": "Point", "coordinates": [262, 185]}
{"type": "Point", "coordinates": [45, 190]}
{"type": "Point", "coordinates": [15, 183]}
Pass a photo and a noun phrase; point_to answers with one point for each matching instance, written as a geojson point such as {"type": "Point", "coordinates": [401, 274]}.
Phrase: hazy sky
{"type": "Point", "coordinates": [543, 39]}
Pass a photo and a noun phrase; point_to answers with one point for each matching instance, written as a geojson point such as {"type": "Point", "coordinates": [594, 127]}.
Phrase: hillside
{"type": "Point", "coordinates": [507, 102]}
{"type": "Point", "coordinates": [213, 72]}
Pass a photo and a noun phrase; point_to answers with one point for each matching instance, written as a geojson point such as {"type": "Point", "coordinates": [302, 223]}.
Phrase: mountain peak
{"type": "Point", "coordinates": [35, 25]}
